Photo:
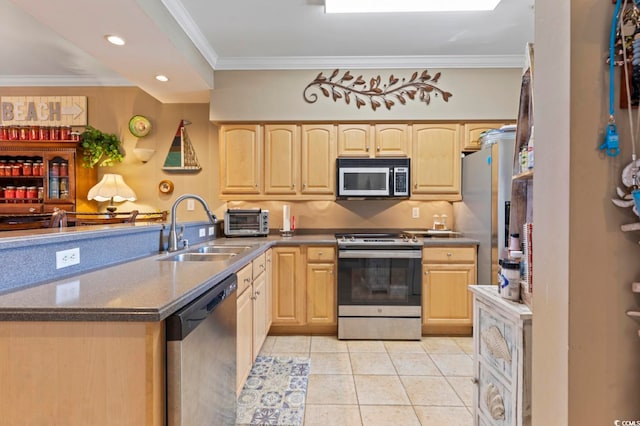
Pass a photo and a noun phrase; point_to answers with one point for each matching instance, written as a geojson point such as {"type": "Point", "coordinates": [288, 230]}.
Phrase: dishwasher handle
{"type": "Point", "coordinates": [183, 322]}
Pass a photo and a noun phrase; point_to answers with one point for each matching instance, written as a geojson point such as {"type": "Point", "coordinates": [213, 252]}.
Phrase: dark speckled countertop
{"type": "Point", "coordinates": [145, 289]}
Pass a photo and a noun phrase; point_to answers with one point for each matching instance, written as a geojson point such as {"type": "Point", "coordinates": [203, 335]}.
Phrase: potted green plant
{"type": "Point", "coordinates": [103, 149]}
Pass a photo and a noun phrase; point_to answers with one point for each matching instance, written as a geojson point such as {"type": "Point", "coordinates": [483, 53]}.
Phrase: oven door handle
{"type": "Point", "coordinates": [380, 254]}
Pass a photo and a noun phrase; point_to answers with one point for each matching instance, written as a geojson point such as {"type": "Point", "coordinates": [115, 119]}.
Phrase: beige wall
{"type": "Point", "coordinates": [278, 95]}
{"type": "Point", "coordinates": [586, 351]}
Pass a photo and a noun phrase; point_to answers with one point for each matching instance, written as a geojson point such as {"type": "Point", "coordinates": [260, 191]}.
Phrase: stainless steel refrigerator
{"type": "Point", "coordinates": [483, 213]}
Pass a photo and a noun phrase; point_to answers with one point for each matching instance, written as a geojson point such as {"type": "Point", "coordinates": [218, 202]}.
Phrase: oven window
{"type": "Point", "coordinates": [379, 281]}
{"type": "Point", "coordinates": [238, 222]}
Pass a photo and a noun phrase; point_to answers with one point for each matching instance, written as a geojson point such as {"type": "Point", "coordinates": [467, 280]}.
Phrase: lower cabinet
{"type": "Point", "coordinates": [253, 315]}
{"type": "Point", "coordinates": [304, 289]}
{"type": "Point", "coordinates": [447, 272]}
{"type": "Point", "coordinates": [502, 359]}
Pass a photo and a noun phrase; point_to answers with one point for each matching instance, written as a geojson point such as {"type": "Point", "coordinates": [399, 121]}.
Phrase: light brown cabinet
{"type": "Point", "coordinates": [321, 286]}
{"type": "Point", "coordinates": [288, 287]}
{"type": "Point", "coordinates": [37, 177]}
{"type": "Point", "coordinates": [447, 304]}
{"type": "Point", "coordinates": [379, 140]}
{"type": "Point", "coordinates": [240, 159]}
{"type": "Point", "coordinates": [304, 295]}
{"type": "Point", "coordinates": [298, 163]}
{"type": "Point", "coordinates": [472, 131]}
{"type": "Point", "coordinates": [436, 162]}
{"type": "Point", "coordinates": [253, 319]}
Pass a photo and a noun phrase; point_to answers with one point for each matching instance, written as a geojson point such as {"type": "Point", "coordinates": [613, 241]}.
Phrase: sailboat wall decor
{"type": "Point", "coordinates": [181, 155]}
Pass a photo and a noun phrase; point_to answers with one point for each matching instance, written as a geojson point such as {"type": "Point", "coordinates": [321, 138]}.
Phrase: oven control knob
{"type": "Point", "coordinates": [415, 239]}
{"type": "Point", "coordinates": [353, 238]}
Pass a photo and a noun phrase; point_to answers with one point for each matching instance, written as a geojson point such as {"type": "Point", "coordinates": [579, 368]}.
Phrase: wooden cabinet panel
{"type": "Point", "coordinates": [436, 161]}
{"type": "Point", "coordinates": [244, 338]}
{"type": "Point", "coordinates": [354, 140]}
{"type": "Point", "coordinates": [260, 307]}
{"type": "Point", "coordinates": [288, 286]}
{"type": "Point", "coordinates": [321, 294]}
{"type": "Point", "coordinates": [269, 288]}
{"type": "Point", "coordinates": [240, 159]}
{"type": "Point", "coordinates": [244, 277]}
{"type": "Point", "coordinates": [281, 144]}
{"type": "Point", "coordinates": [447, 272]}
{"type": "Point", "coordinates": [318, 159]}
{"type": "Point", "coordinates": [391, 140]}
{"type": "Point", "coordinates": [471, 134]}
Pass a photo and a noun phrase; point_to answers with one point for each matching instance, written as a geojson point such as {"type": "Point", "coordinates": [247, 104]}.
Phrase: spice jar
{"type": "Point", "coordinates": [34, 133]}
{"type": "Point", "coordinates": [27, 168]}
{"type": "Point", "coordinates": [44, 133]}
{"type": "Point", "coordinates": [32, 192]}
{"type": "Point", "coordinates": [4, 133]}
{"type": "Point", "coordinates": [21, 192]}
{"type": "Point", "coordinates": [10, 192]}
{"type": "Point", "coordinates": [64, 169]}
{"type": "Point", "coordinates": [54, 133]}
{"type": "Point", "coordinates": [23, 133]}
{"type": "Point", "coordinates": [16, 170]}
{"type": "Point", "coordinates": [2, 169]}
{"type": "Point", "coordinates": [65, 133]}
{"type": "Point", "coordinates": [40, 192]}
{"type": "Point", "coordinates": [13, 133]}
{"type": "Point", "coordinates": [54, 170]}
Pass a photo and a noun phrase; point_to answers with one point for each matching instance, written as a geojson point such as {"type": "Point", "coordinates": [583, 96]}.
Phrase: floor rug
{"type": "Point", "coordinates": [275, 392]}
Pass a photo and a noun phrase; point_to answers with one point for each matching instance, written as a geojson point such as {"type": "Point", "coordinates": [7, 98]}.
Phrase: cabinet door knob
{"type": "Point", "coordinates": [304, 185]}
{"type": "Point", "coordinates": [32, 209]}
{"type": "Point", "coordinates": [474, 380]}
{"type": "Point", "coordinates": [293, 186]}
{"type": "Point", "coordinates": [257, 293]}
{"type": "Point", "coordinates": [367, 149]}
{"type": "Point", "coordinates": [415, 185]}
{"type": "Point", "coordinates": [449, 254]}
{"type": "Point", "coordinates": [426, 272]}
{"type": "Point", "coordinates": [378, 148]}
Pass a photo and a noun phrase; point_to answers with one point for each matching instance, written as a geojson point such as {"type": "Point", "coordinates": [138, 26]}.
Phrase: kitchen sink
{"type": "Point", "coordinates": [222, 249]}
{"type": "Point", "coordinates": [196, 256]}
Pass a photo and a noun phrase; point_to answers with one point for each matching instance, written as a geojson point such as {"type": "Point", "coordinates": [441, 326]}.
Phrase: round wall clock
{"type": "Point", "coordinates": [139, 126]}
{"type": "Point", "coordinates": [166, 187]}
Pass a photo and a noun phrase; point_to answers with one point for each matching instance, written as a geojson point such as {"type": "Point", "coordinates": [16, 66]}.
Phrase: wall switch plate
{"type": "Point", "coordinates": [202, 232]}
{"type": "Point", "coordinates": [415, 212]}
{"type": "Point", "coordinates": [211, 230]}
{"type": "Point", "coordinates": [66, 258]}
{"type": "Point", "coordinates": [190, 205]}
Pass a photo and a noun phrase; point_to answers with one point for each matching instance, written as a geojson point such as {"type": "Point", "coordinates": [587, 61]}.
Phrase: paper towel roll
{"type": "Point", "coordinates": [286, 215]}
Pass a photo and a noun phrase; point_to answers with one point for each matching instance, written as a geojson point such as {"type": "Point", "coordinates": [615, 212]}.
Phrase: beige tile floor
{"type": "Point", "coordinates": [370, 383]}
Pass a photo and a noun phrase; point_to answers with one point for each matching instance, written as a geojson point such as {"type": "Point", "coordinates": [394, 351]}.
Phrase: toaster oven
{"type": "Point", "coordinates": [246, 223]}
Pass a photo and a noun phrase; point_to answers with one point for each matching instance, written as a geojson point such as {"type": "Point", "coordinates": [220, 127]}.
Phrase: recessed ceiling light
{"type": "Point", "coordinates": [162, 78]}
{"type": "Point", "coordinates": [114, 39]}
{"type": "Point", "coordinates": [374, 6]}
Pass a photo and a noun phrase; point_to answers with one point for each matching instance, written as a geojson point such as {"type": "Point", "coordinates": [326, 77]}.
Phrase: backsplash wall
{"type": "Point", "coordinates": [353, 214]}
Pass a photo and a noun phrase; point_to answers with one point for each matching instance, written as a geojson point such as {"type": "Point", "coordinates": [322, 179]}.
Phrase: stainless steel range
{"type": "Point", "coordinates": [379, 286]}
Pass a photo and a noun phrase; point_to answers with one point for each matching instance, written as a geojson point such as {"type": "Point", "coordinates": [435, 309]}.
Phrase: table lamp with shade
{"type": "Point", "coordinates": [111, 188]}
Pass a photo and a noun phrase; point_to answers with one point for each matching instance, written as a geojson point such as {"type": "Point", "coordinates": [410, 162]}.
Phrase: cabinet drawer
{"type": "Point", "coordinates": [498, 342]}
{"type": "Point", "coordinates": [449, 254]}
{"type": "Point", "coordinates": [244, 278]}
{"type": "Point", "coordinates": [259, 265]}
{"type": "Point", "coordinates": [321, 254]}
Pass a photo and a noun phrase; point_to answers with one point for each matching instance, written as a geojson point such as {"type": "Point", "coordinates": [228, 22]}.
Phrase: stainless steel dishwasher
{"type": "Point", "coordinates": [201, 359]}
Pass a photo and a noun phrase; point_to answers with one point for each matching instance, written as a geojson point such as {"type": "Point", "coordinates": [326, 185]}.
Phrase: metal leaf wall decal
{"type": "Point", "coordinates": [420, 86]}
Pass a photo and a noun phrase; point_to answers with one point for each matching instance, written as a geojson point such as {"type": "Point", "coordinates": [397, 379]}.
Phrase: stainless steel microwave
{"type": "Point", "coordinates": [246, 223]}
{"type": "Point", "coordinates": [373, 177]}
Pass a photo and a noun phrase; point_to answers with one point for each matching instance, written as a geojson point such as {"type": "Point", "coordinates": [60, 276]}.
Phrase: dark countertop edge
{"type": "Point", "coordinates": [162, 312]}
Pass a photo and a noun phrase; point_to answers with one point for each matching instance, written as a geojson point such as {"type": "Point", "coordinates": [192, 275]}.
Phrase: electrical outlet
{"type": "Point", "coordinates": [415, 213]}
{"type": "Point", "coordinates": [66, 258]}
{"type": "Point", "coordinates": [202, 232]}
{"type": "Point", "coordinates": [211, 230]}
{"type": "Point", "coordinates": [191, 205]}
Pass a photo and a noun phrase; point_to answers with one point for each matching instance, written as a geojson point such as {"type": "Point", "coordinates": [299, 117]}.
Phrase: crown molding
{"type": "Point", "coordinates": [191, 29]}
{"type": "Point", "coordinates": [60, 80]}
{"type": "Point", "coordinates": [369, 62]}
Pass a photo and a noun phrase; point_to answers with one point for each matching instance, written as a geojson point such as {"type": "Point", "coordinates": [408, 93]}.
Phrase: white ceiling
{"type": "Point", "coordinates": [60, 43]}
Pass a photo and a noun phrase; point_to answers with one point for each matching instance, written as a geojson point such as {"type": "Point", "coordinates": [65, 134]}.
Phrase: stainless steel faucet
{"type": "Point", "coordinates": [173, 236]}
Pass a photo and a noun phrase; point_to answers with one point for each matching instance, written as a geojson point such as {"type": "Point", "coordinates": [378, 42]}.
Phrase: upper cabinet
{"type": "Point", "coordinates": [240, 159]}
{"type": "Point", "coordinates": [472, 132]}
{"type": "Point", "coordinates": [379, 140]}
{"type": "Point", "coordinates": [277, 161]}
{"type": "Point", "coordinates": [436, 162]}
